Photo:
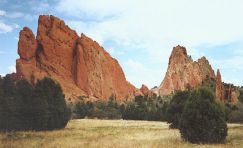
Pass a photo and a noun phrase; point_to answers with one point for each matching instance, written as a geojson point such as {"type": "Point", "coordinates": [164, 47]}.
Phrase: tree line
{"type": "Point", "coordinates": [140, 108]}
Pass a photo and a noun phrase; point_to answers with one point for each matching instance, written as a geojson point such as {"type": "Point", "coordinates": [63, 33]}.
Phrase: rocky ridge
{"type": "Point", "coordinates": [79, 64]}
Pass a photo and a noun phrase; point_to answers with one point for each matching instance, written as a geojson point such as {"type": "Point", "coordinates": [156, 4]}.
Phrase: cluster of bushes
{"type": "Point", "coordinates": [145, 108]}
{"type": "Point", "coordinates": [234, 112]}
{"type": "Point", "coordinates": [99, 109]}
{"type": "Point", "coordinates": [198, 117]}
{"type": "Point", "coordinates": [27, 107]}
{"type": "Point", "coordinates": [141, 108]}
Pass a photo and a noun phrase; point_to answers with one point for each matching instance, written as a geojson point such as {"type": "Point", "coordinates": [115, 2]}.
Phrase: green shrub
{"type": "Point", "coordinates": [25, 107]}
{"type": "Point", "coordinates": [58, 112]}
{"type": "Point", "coordinates": [236, 117]}
{"type": "Point", "coordinates": [145, 108]}
{"type": "Point", "coordinates": [81, 110]}
{"type": "Point", "coordinates": [235, 113]}
{"type": "Point", "coordinates": [240, 98]}
{"type": "Point", "coordinates": [175, 108]}
{"type": "Point", "coordinates": [99, 109]}
{"type": "Point", "coordinates": [203, 120]}
{"type": "Point", "coordinates": [141, 108]}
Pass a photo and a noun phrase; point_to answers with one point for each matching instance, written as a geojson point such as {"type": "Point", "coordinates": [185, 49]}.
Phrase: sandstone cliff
{"type": "Point", "coordinates": [79, 64]}
{"type": "Point", "coordinates": [184, 73]}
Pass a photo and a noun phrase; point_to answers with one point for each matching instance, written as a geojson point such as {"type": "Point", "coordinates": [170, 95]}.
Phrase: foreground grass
{"type": "Point", "coordinates": [112, 133]}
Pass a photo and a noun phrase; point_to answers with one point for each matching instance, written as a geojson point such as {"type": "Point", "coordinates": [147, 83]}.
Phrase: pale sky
{"type": "Point", "coordinates": [140, 34]}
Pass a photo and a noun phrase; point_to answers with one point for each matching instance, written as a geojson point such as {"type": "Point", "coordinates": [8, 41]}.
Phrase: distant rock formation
{"type": "Point", "coordinates": [79, 64]}
{"type": "Point", "coordinates": [184, 73]}
{"type": "Point", "coordinates": [223, 91]}
{"type": "Point", "coordinates": [229, 93]}
{"type": "Point", "coordinates": [219, 92]}
{"type": "Point", "coordinates": [145, 91]}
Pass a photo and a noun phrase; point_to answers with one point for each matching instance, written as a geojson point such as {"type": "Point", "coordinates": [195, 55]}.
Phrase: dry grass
{"type": "Point", "coordinates": [112, 133]}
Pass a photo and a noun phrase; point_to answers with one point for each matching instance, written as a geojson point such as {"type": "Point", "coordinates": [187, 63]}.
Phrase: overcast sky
{"type": "Point", "coordinates": [140, 34]}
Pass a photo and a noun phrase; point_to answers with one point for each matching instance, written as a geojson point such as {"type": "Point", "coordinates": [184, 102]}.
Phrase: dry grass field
{"type": "Point", "coordinates": [112, 133]}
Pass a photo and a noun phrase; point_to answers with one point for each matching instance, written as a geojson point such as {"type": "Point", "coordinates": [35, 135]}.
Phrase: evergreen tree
{"type": "Point", "coordinates": [8, 87]}
{"type": "Point", "coordinates": [81, 109]}
{"type": "Point", "coordinates": [203, 120]}
{"type": "Point", "coordinates": [51, 92]}
{"type": "Point", "coordinates": [24, 107]}
{"type": "Point", "coordinates": [176, 107]}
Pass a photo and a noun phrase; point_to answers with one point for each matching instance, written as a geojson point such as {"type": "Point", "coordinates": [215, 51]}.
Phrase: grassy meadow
{"type": "Point", "coordinates": [112, 133]}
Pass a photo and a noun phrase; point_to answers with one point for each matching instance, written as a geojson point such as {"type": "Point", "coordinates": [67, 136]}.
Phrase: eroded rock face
{"type": "Point", "coordinates": [184, 73]}
{"type": "Point", "coordinates": [145, 91]}
{"type": "Point", "coordinates": [219, 93]}
{"type": "Point", "coordinates": [27, 44]}
{"type": "Point", "coordinates": [79, 64]}
{"type": "Point", "coordinates": [229, 93]}
{"type": "Point", "coordinates": [98, 73]}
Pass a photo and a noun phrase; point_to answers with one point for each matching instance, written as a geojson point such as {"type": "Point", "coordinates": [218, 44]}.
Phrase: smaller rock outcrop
{"type": "Point", "coordinates": [219, 92]}
{"type": "Point", "coordinates": [229, 93]}
{"type": "Point", "coordinates": [223, 91]}
{"type": "Point", "coordinates": [145, 91]}
{"type": "Point", "coordinates": [27, 44]}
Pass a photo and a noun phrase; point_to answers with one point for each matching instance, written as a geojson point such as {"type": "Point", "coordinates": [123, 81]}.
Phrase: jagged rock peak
{"type": "Point", "coordinates": [184, 73]}
{"type": "Point", "coordinates": [203, 61]}
{"type": "Point", "coordinates": [218, 74]}
{"type": "Point", "coordinates": [181, 50]}
{"type": "Point", "coordinates": [27, 44]}
{"type": "Point", "coordinates": [179, 55]}
{"type": "Point", "coordinates": [219, 92]}
{"type": "Point", "coordinates": [144, 89]}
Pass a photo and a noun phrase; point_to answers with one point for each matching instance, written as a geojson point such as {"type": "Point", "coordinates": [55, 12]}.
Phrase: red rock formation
{"type": "Point", "coordinates": [219, 93]}
{"type": "Point", "coordinates": [229, 93]}
{"type": "Point", "coordinates": [145, 91]}
{"type": "Point", "coordinates": [79, 64]}
{"type": "Point", "coordinates": [184, 73]}
{"type": "Point", "coordinates": [225, 92]}
{"type": "Point", "coordinates": [27, 44]}
{"type": "Point", "coordinates": [234, 97]}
